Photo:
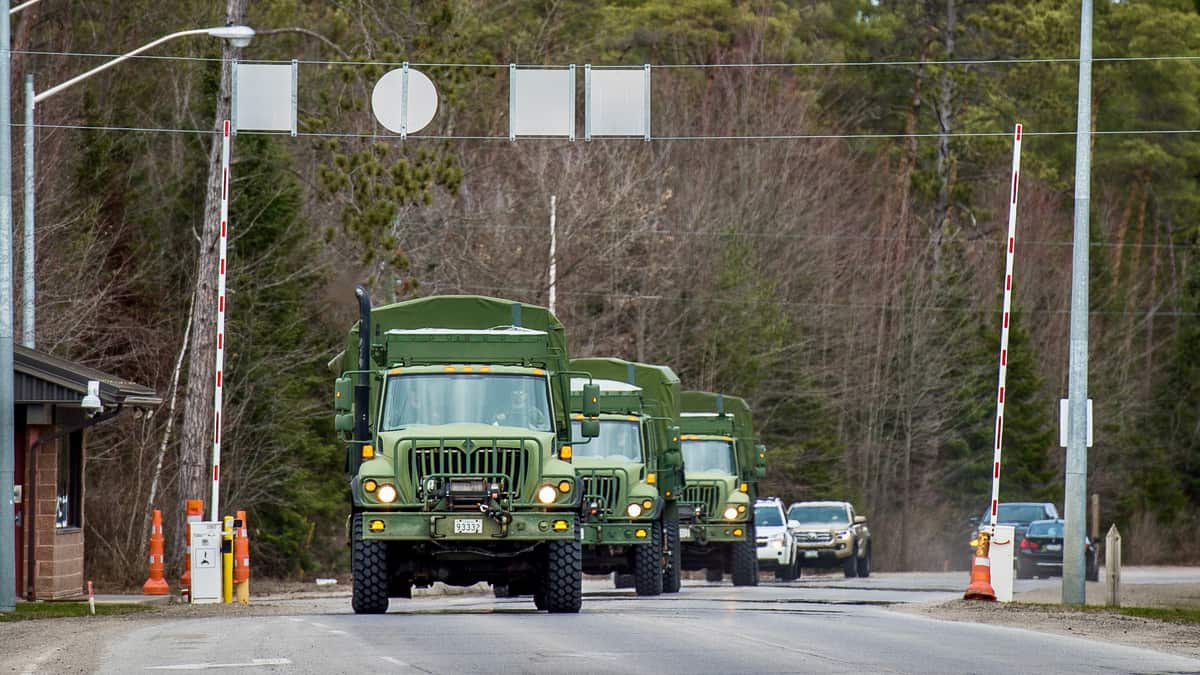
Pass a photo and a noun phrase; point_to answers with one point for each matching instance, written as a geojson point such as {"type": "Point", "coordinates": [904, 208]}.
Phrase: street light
{"type": "Point", "coordinates": [238, 36]}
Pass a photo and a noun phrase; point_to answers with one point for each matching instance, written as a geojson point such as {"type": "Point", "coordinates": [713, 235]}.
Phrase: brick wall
{"type": "Point", "coordinates": [59, 567]}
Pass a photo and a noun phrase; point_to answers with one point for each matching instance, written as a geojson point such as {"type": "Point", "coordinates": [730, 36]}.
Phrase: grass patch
{"type": "Point", "coordinates": [59, 610]}
{"type": "Point", "coordinates": [1171, 614]}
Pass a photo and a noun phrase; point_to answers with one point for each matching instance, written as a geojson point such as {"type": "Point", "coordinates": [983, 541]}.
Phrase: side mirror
{"type": "Point", "coordinates": [589, 427]}
{"type": "Point", "coordinates": [793, 524]}
{"type": "Point", "coordinates": [859, 520]}
{"type": "Point", "coordinates": [343, 395]}
{"type": "Point", "coordinates": [760, 461]}
{"type": "Point", "coordinates": [760, 472]}
{"type": "Point", "coordinates": [672, 459]}
{"type": "Point", "coordinates": [591, 401]}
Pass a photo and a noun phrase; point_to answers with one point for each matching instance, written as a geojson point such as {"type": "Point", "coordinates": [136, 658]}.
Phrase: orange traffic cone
{"type": "Point", "coordinates": [980, 587]}
{"type": "Point", "coordinates": [156, 584]}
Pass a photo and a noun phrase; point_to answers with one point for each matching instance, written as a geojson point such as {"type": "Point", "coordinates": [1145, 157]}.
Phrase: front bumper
{"type": "Point", "coordinates": [625, 532]}
{"type": "Point", "coordinates": [823, 556]}
{"type": "Point", "coordinates": [424, 525]}
{"type": "Point", "coordinates": [696, 533]}
{"type": "Point", "coordinates": [769, 556]}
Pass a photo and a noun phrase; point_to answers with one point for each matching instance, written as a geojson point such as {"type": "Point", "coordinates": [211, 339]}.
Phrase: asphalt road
{"type": "Point", "coordinates": [815, 625]}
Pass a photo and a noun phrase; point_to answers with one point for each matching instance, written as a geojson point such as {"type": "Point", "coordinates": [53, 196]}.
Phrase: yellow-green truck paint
{"type": "Point", "coordinates": [631, 476]}
{"type": "Point", "coordinates": [454, 414]}
{"type": "Point", "coordinates": [723, 465]}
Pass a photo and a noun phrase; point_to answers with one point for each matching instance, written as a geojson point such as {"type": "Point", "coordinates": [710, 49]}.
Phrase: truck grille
{"type": "Point", "coordinates": [605, 490]}
{"type": "Point", "coordinates": [707, 496]}
{"type": "Point", "coordinates": [814, 537]}
{"type": "Point", "coordinates": [484, 462]}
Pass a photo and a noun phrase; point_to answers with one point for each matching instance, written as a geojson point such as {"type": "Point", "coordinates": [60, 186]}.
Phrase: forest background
{"type": "Point", "coordinates": [846, 283]}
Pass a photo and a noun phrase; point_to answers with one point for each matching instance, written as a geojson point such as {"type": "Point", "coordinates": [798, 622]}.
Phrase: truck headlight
{"type": "Point", "coordinates": [731, 512]}
{"type": "Point", "coordinates": [634, 510]}
{"type": "Point", "coordinates": [547, 494]}
{"type": "Point", "coordinates": [386, 494]}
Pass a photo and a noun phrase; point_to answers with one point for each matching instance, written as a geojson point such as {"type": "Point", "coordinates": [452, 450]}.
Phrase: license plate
{"type": "Point", "coordinates": [468, 526]}
{"type": "Point", "coordinates": [1053, 547]}
{"type": "Point", "coordinates": [685, 534]}
{"type": "Point", "coordinates": [811, 554]}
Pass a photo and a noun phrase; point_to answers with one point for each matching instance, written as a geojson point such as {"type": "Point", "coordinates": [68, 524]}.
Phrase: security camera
{"type": "Point", "coordinates": [91, 404]}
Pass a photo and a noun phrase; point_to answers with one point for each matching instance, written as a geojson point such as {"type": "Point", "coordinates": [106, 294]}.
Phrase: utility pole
{"type": "Point", "coordinates": [1075, 495]}
{"type": "Point", "coordinates": [8, 540]}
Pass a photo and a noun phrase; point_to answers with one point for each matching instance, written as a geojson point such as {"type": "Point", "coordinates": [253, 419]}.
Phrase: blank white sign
{"type": "Point", "coordinates": [617, 102]}
{"type": "Point", "coordinates": [264, 97]}
{"type": "Point", "coordinates": [543, 102]}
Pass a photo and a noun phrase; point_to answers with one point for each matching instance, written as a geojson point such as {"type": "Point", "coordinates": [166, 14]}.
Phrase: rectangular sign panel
{"type": "Point", "coordinates": [541, 102]}
{"type": "Point", "coordinates": [617, 102]}
{"type": "Point", "coordinates": [264, 97]}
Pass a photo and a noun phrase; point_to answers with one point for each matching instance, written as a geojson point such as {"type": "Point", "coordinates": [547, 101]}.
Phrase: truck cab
{"type": "Point", "coordinates": [453, 413]}
{"type": "Point", "coordinates": [722, 467]}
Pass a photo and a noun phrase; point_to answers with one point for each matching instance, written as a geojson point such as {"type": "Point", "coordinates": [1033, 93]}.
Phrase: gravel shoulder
{"type": "Point", "coordinates": [1028, 612]}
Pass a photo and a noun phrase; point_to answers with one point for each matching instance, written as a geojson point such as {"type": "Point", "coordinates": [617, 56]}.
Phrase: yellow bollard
{"type": "Point", "coordinates": [227, 560]}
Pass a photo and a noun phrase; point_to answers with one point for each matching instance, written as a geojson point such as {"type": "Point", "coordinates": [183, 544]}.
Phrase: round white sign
{"type": "Point", "coordinates": [387, 101]}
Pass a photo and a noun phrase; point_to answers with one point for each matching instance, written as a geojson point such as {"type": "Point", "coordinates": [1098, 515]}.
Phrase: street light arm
{"type": "Point", "coordinates": [105, 66]}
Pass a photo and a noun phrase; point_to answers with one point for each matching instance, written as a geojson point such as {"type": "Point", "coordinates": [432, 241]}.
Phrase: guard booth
{"type": "Point", "coordinates": [56, 401]}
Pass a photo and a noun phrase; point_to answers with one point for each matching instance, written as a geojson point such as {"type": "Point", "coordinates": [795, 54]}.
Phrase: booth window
{"type": "Point", "coordinates": [69, 510]}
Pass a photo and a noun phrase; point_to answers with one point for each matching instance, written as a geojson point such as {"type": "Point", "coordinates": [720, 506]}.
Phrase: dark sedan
{"type": "Point", "coordinates": [1040, 552]}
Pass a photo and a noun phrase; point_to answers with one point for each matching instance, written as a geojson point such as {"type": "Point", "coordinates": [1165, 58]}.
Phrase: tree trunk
{"type": "Point", "coordinates": [196, 436]}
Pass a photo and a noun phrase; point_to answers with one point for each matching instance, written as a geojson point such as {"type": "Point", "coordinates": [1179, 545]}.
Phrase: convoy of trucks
{"type": "Point", "coordinates": [477, 451]}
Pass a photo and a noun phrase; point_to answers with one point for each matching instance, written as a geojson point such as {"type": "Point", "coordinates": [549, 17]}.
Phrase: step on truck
{"type": "Point", "coordinates": [722, 465]}
{"type": "Point", "coordinates": [631, 476]}
{"type": "Point", "coordinates": [454, 414]}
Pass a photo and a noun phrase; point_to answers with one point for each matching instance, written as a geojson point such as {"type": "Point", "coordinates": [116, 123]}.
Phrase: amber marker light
{"type": "Point", "coordinates": [564, 486]}
{"type": "Point", "coordinates": [370, 485]}
{"type": "Point", "coordinates": [565, 452]}
{"type": "Point", "coordinates": [647, 504]}
{"type": "Point", "coordinates": [652, 478]}
{"type": "Point", "coordinates": [737, 532]}
{"type": "Point", "coordinates": [368, 452]}
{"type": "Point", "coordinates": [377, 526]}
{"type": "Point", "coordinates": [743, 488]}
{"type": "Point", "coordinates": [640, 534]}
{"type": "Point", "coordinates": [560, 525]}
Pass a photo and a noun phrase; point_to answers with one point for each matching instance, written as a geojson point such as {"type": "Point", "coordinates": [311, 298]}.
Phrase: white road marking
{"type": "Point", "coordinates": [396, 662]}
{"type": "Point", "coordinates": [212, 666]}
{"type": "Point", "coordinates": [337, 632]}
{"type": "Point", "coordinates": [318, 625]}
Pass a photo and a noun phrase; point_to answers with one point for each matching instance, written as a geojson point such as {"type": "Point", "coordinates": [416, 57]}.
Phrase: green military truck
{"type": "Point", "coordinates": [723, 466]}
{"type": "Point", "coordinates": [454, 414]}
{"type": "Point", "coordinates": [631, 476]}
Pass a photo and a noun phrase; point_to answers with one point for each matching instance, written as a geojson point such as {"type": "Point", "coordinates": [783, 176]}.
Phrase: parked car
{"type": "Point", "coordinates": [1017, 514]}
{"type": "Point", "coordinates": [830, 534]}
{"type": "Point", "coordinates": [1040, 552]}
{"type": "Point", "coordinates": [776, 545]}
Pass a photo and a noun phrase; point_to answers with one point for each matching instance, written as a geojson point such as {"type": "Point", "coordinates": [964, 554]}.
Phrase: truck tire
{"type": "Point", "coordinates": [789, 572]}
{"type": "Point", "coordinates": [850, 567]}
{"type": "Point", "coordinates": [672, 555]}
{"type": "Point", "coordinates": [562, 584]}
{"type": "Point", "coordinates": [647, 563]}
{"type": "Point", "coordinates": [864, 564]}
{"type": "Point", "coordinates": [368, 565]}
{"type": "Point", "coordinates": [745, 562]}
{"type": "Point", "coordinates": [714, 575]}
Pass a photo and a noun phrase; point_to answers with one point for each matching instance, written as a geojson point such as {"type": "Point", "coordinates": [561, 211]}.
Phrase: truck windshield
{"type": "Point", "coordinates": [835, 515]}
{"type": "Point", "coordinates": [618, 440]}
{"type": "Point", "coordinates": [462, 398]}
{"type": "Point", "coordinates": [714, 456]}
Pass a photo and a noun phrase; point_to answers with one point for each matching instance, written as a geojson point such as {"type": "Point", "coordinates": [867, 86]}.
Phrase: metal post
{"type": "Point", "coordinates": [8, 544]}
{"type": "Point", "coordinates": [28, 321]}
{"type": "Point", "coordinates": [553, 255]}
{"type": "Point", "coordinates": [1075, 498]}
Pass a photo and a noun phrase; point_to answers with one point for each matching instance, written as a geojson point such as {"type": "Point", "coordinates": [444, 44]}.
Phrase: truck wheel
{"type": "Point", "coordinates": [672, 556]}
{"type": "Point", "coordinates": [789, 572]}
{"type": "Point", "coordinates": [562, 585]}
{"type": "Point", "coordinates": [864, 564]}
{"type": "Point", "coordinates": [745, 562]}
{"type": "Point", "coordinates": [850, 567]}
{"type": "Point", "coordinates": [368, 565]}
{"type": "Point", "coordinates": [647, 563]}
{"type": "Point", "coordinates": [714, 575]}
